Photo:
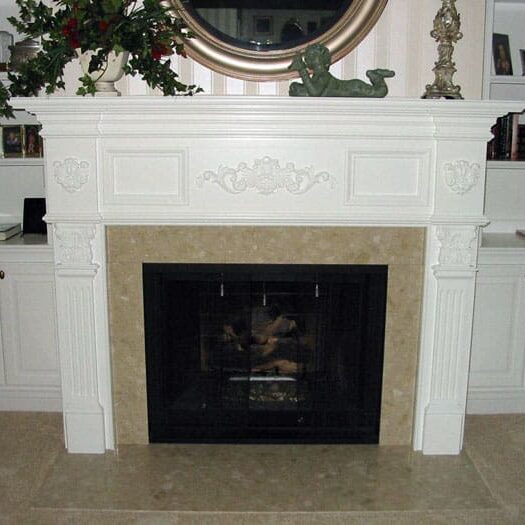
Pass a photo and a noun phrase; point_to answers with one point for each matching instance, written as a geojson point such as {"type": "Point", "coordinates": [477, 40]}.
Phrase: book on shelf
{"type": "Point", "coordinates": [509, 139]}
{"type": "Point", "coordinates": [8, 230]}
{"type": "Point", "coordinates": [521, 142]}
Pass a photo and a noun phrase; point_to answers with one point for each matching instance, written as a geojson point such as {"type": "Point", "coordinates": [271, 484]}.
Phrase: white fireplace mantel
{"type": "Point", "coordinates": [262, 161]}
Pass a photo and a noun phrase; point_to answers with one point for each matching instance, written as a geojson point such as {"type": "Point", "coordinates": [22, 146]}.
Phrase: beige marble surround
{"type": "Point", "coordinates": [402, 249]}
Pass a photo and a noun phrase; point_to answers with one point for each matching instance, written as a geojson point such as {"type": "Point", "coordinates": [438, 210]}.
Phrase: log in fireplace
{"type": "Point", "coordinates": [264, 353]}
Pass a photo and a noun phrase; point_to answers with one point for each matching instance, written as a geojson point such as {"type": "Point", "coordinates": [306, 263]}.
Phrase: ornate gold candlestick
{"type": "Point", "coordinates": [446, 32]}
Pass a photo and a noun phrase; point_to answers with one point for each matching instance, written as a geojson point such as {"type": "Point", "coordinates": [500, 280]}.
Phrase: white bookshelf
{"type": "Point", "coordinates": [497, 365]}
{"type": "Point", "coordinates": [505, 17]}
{"type": "Point", "coordinates": [20, 161]}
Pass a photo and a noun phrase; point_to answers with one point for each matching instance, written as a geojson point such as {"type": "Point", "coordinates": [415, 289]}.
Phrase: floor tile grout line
{"type": "Point", "coordinates": [498, 498]}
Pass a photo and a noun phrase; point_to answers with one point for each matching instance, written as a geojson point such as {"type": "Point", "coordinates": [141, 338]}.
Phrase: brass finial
{"type": "Point", "coordinates": [446, 32]}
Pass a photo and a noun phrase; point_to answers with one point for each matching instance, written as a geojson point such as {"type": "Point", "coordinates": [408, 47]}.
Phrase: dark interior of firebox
{"type": "Point", "coordinates": [264, 353]}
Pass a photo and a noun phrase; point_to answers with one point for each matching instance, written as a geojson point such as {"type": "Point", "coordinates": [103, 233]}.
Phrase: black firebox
{"type": "Point", "coordinates": [247, 353]}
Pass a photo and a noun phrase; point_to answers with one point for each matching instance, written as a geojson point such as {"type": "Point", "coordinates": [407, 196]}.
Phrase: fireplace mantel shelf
{"type": "Point", "coordinates": [227, 104]}
{"type": "Point", "coordinates": [265, 161]}
{"type": "Point", "coordinates": [275, 116]}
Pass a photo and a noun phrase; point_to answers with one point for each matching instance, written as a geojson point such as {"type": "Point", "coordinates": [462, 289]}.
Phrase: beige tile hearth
{"type": "Point", "coordinates": [266, 478]}
{"type": "Point", "coordinates": [248, 484]}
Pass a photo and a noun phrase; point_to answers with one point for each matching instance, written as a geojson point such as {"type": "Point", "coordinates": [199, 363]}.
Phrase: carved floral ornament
{"type": "Point", "coordinates": [73, 244]}
{"type": "Point", "coordinates": [461, 176]}
{"type": "Point", "coordinates": [71, 173]}
{"type": "Point", "coordinates": [458, 246]}
{"type": "Point", "coordinates": [265, 177]}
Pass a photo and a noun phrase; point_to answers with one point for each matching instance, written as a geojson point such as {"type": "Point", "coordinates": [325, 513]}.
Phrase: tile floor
{"type": "Point", "coordinates": [248, 484]}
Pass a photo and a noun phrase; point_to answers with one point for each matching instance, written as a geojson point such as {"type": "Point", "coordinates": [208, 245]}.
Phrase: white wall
{"type": "Point", "coordinates": [7, 8]}
{"type": "Point", "coordinates": [400, 41]}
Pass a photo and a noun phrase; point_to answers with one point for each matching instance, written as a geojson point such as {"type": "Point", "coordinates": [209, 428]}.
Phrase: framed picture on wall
{"type": "Point", "coordinates": [522, 58]}
{"type": "Point", "coordinates": [501, 53]}
{"type": "Point", "coordinates": [32, 141]}
{"type": "Point", "coordinates": [13, 141]}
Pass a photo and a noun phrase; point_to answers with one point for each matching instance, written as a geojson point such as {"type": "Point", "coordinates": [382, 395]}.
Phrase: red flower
{"type": "Point", "coordinates": [70, 27]}
{"type": "Point", "coordinates": [72, 23]}
{"type": "Point", "coordinates": [74, 41]}
{"type": "Point", "coordinates": [156, 54]}
{"type": "Point", "coordinates": [159, 50]}
{"type": "Point", "coordinates": [103, 26]}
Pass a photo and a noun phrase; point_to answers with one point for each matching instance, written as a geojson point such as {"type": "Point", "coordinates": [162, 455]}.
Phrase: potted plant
{"type": "Point", "coordinates": [148, 31]}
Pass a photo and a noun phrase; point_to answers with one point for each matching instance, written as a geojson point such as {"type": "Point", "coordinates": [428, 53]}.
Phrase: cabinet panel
{"type": "Point", "coordinates": [28, 324]}
{"type": "Point", "coordinates": [2, 354]}
{"type": "Point", "coordinates": [498, 342]}
{"type": "Point", "coordinates": [497, 370]}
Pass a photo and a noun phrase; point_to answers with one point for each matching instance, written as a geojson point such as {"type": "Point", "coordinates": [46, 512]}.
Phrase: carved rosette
{"type": "Point", "coordinates": [71, 173]}
{"type": "Point", "coordinates": [265, 177]}
{"type": "Point", "coordinates": [458, 245]}
{"type": "Point", "coordinates": [73, 245]}
{"type": "Point", "coordinates": [461, 176]}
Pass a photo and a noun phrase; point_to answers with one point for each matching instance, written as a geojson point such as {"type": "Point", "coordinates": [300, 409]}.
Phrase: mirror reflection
{"type": "Point", "coordinates": [265, 25]}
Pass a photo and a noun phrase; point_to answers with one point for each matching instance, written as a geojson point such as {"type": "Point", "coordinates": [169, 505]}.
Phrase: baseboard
{"type": "Point", "coordinates": [23, 398]}
{"type": "Point", "coordinates": [496, 401]}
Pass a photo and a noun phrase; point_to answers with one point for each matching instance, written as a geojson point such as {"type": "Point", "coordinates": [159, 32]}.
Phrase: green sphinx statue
{"type": "Point", "coordinates": [323, 84]}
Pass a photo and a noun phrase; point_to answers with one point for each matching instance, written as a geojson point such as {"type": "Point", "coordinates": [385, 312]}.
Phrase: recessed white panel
{"type": "Point", "coordinates": [38, 352]}
{"type": "Point", "coordinates": [391, 178]}
{"type": "Point", "coordinates": [149, 177]}
{"type": "Point", "coordinates": [497, 358]}
{"type": "Point", "coordinates": [386, 177]}
{"type": "Point", "coordinates": [492, 340]}
{"type": "Point", "coordinates": [30, 347]}
{"type": "Point", "coordinates": [143, 176]}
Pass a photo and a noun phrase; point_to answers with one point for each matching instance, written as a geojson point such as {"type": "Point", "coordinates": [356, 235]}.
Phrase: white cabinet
{"type": "Point", "coordinates": [29, 375]}
{"type": "Point", "coordinates": [29, 370]}
{"type": "Point", "coordinates": [497, 366]}
{"type": "Point", "coordinates": [497, 369]}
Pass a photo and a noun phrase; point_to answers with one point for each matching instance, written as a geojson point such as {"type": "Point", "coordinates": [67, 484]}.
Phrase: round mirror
{"type": "Point", "coordinates": [257, 39]}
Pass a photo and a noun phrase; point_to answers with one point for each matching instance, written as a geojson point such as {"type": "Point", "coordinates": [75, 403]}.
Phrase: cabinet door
{"type": "Point", "coordinates": [2, 351]}
{"type": "Point", "coordinates": [498, 340]}
{"type": "Point", "coordinates": [28, 324]}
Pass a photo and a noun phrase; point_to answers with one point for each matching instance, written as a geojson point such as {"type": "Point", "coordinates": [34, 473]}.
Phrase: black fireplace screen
{"type": "Point", "coordinates": [264, 353]}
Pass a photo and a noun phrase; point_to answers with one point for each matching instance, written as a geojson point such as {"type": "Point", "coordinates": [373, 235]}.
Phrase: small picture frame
{"type": "Point", "coordinates": [522, 58]}
{"type": "Point", "coordinates": [263, 25]}
{"type": "Point", "coordinates": [501, 54]}
{"type": "Point", "coordinates": [32, 141]}
{"type": "Point", "coordinates": [13, 141]}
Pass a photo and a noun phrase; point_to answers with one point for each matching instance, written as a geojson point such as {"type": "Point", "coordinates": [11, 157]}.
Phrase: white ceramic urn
{"type": "Point", "coordinates": [105, 78]}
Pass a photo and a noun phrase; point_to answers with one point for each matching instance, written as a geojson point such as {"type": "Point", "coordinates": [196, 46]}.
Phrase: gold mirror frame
{"type": "Point", "coordinates": [259, 66]}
